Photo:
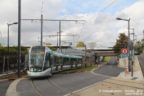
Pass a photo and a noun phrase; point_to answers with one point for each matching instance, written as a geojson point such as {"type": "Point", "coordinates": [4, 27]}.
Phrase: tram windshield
{"type": "Point", "coordinates": [37, 57]}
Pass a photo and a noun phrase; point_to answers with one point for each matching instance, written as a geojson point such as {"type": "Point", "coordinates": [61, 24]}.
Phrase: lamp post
{"type": "Point", "coordinates": [8, 42]}
{"type": "Point", "coordinates": [128, 20]}
{"type": "Point", "coordinates": [133, 60]}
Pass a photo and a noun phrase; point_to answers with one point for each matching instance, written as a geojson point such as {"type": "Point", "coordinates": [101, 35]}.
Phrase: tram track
{"type": "Point", "coordinates": [60, 89]}
{"type": "Point", "coordinates": [57, 86]}
{"type": "Point", "coordinates": [36, 89]}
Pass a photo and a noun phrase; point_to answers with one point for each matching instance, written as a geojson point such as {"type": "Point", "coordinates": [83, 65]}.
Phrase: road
{"type": "Point", "coordinates": [3, 87]}
{"type": "Point", "coordinates": [141, 61]}
{"type": "Point", "coordinates": [59, 85]}
{"type": "Point", "coordinates": [110, 68]}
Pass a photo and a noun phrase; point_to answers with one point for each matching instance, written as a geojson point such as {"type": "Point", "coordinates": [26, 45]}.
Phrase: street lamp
{"type": "Point", "coordinates": [8, 42]}
{"type": "Point", "coordinates": [128, 20]}
{"type": "Point", "coordinates": [133, 61]}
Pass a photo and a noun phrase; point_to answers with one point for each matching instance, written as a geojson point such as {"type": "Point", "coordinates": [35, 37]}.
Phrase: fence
{"type": "Point", "coordinates": [9, 64]}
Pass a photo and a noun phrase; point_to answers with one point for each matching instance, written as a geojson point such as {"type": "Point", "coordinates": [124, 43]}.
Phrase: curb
{"type": "Point", "coordinates": [11, 91]}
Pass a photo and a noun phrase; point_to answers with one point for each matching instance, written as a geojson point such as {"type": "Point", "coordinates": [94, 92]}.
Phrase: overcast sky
{"type": "Point", "coordinates": [100, 27]}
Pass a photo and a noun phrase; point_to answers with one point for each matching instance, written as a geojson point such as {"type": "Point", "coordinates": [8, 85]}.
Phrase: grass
{"type": "Point", "coordinates": [84, 69]}
{"type": "Point", "coordinates": [107, 59]}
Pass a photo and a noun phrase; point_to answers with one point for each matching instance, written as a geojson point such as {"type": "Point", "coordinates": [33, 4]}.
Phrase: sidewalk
{"type": "Point", "coordinates": [137, 72]}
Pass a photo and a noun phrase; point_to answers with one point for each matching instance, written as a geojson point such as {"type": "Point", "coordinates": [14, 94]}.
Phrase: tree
{"type": "Point", "coordinates": [80, 44]}
{"type": "Point", "coordinates": [122, 42]}
{"type": "Point", "coordinates": [139, 46]}
{"type": "Point", "coordinates": [142, 43]}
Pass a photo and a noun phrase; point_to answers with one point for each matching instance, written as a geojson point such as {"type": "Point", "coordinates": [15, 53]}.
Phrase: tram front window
{"type": "Point", "coordinates": [37, 59]}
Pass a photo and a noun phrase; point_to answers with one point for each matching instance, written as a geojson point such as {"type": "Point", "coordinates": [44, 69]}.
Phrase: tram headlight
{"type": "Point", "coordinates": [31, 69]}
{"type": "Point", "coordinates": [39, 70]}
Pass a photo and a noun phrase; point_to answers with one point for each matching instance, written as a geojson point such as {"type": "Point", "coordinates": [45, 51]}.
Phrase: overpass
{"type": "Point", "coordinates": [103, 52]}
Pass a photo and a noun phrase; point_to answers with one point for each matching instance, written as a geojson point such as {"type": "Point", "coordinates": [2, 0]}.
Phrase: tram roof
{"type": "Point", "coordinates": [66, 56]}
{"type": "Point", "coordinates": [74, 52]}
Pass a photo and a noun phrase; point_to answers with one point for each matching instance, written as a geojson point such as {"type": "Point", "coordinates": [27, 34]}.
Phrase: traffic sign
{"type": "Point", "coordinates": [124, 51]}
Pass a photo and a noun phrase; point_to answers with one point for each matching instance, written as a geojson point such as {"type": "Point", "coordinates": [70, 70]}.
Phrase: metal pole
{"type": "Point", "coordinates": [41, 30]}
{"type": "Point", "coordinates": [143, 34]}
{"type": "Point", "coordinates": [19, 36]}
{"type": "Point", "coordinates": [8, 48]}
{"type": "Point", "coordinates": [60, 35]}
{"type": "Point", "coordinates": [85, 55]}
{"type": "Point", "coordinates": [3, 64]}
{"type": "Point", "coordinates": [133, 59]}
{"type": "Point", "coordinates": [129, 43]}
{"type": "Point", "coordinates": [1, 38]}
{"type": "Point", "coordinates": [57, 39]}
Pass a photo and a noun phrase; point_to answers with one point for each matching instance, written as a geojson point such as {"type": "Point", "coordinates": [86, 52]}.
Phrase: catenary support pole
{"type": "Point", "coordinates": [8, 49]}
{"type": "Point", "coordinates": [129, 57]}
{"type": "Point", "coordinates": [41, 30]}
{"type": "Point", "coordinates": [60, 36]}
{"type": "Point", "coordinates": [19, 36]}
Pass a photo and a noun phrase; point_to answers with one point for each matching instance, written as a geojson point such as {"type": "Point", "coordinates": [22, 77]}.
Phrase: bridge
{"type": "Point", "coordinates": [103, 52]}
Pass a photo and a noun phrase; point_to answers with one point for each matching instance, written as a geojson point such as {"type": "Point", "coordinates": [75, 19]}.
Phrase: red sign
{"type": "Point", "coordinates": [124, 51]}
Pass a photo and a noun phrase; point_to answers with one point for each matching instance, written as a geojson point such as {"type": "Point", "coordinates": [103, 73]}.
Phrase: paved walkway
{"type": "Point", "coordinates": [137, 72]}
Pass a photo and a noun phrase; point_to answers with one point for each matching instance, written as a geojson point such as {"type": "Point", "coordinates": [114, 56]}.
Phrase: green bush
{"type": "Point", "coordinates": [12, 51]}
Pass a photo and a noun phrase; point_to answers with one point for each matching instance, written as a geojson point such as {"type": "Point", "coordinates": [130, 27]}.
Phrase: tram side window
{"type": "Point", "coordinates": [72, 61]}
{"type": "Point", "coordinates": [66, 61]}
{"type": "Point", "coordinates": [60, 60]}
{"type": "Point", "coordinates": [47, 60]}
{"type": "Point", "coordinates": [80, 61]}
{"type": "Point", "coordinates": [56, 60]}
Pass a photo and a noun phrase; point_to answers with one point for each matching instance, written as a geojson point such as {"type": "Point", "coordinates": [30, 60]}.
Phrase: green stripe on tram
{"type": "Point", "coordinates": [34, 72]}
{"type": "Point", "coordinates": [48, 52]}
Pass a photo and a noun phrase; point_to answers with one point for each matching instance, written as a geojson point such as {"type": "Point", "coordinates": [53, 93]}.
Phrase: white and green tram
{"type": "Point", "coordinates": [43, 62]}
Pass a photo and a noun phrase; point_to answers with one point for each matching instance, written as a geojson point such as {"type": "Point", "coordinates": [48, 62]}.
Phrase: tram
{"type": "Point", "coordinates": [44, 62]}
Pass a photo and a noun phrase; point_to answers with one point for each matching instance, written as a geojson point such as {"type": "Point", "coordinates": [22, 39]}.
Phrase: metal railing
{"type": "Point", "coordinates": [10, 64]}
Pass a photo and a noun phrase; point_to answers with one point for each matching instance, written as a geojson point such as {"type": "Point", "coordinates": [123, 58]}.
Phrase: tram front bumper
{"type": "Point", "coordinates": [44, 73]}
